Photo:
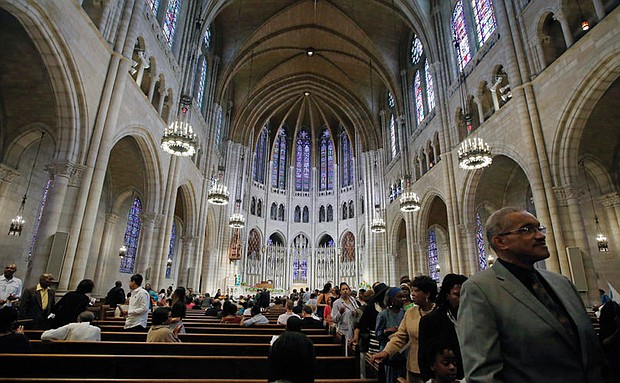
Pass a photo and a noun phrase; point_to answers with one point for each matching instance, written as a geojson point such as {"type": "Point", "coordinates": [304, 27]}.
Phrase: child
{"type": "Point", "coordinates": [443, 363]}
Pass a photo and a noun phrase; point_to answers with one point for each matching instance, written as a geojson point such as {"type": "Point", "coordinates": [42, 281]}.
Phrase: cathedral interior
{"type": "Point", "coordinates": [319, 140]}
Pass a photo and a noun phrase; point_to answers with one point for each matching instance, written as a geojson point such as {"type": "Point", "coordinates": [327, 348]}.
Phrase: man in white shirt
{"type": "Point", "coordinates": [82, 330]}
{"type": "Point", "coordinates": [283, 318]}
{"type": "Point", "coordinates": [257, 318]}
{"type": "Point", "coordinates": [138, 312]}
{"type": "Point", "coordinates": [10, 287]}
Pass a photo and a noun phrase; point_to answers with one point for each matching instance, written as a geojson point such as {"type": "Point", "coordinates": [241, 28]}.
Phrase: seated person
{"type": "Point", "coordinates": [82, 330]}
{"type": "Point", "coordinates": [289, 313]}
{"type": "Point", "coordinates": [231, 314]}
{"type": "Point", "coordinates": [309, 320]}
{"type": "Point", "coordinates": [215, 310]}
{"type": "Point", "coordinates": [160, 330]}
{"type": "Point", "coordinates": [257, 318]}
{"type": "Point", "coordinates": [14, 342]}
{"type": "Point", "coordinates": [292, 358]}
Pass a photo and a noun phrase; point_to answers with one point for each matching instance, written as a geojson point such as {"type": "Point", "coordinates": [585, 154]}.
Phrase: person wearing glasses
{"type": "Point", "coordinates": [517, 323]}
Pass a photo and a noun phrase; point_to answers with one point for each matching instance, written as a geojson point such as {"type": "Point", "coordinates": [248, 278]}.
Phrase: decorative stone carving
{"type": "Point", "coordinates": [149, 217]}
{"type": "Point", "coordinates": [609, 200]}
{"type": "Point", "coordinates": [75, 179]}
{"type": "Point", "coordinates": [7, 173]}
{"type": "Point", "coordinates": [564, 193]}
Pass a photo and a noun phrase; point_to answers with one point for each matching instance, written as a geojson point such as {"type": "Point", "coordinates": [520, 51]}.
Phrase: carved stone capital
{"type": "Point", "coordinates": [609, 200]}
{"type": "Point", "coordinates": [467, 229]}
{"type": "Point", "coordinates": [151, 218]}
{"type": "Point", "coordinates": [565, 192]}
{"type": "Point", "coordinates": [75, 178]}
{"type": "Point", "coordinates": [7, 173]}
{"type": "Point", "coordinates": [60, 169]}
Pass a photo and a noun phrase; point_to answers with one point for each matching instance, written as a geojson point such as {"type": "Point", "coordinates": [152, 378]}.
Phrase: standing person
{"type": "Point", "coordinates": [116, 295]}
{"type": "Point", "coordinates": [72, 304]}
{"type": "Point", "coordinates": [440, 325]}
{"type": "Point", "coordinates": [344, 311]}
{"type": "Point", "coordinates": [424, 290]}
{"type": "Point", "coordinates": [80, 330]}
{"type": "Point", "coordinates": [153, 296]}
{"type": "Point", "coordinates": [179, 309]}
{"type": "Point", "coordinates": [10, 286]}
{"type": "Point", "coordinates": [138, 312]}
{"type": "Point", "coordinates": [388, 321]}
{"type": "Point", "coordinates": [160, 331]}
{"type": "Point", "coordinates": [37, 302]}
{"type": "Point", "coordinates": [323, 299]}
{"type": "Point", "coordinates": [520, 324]}
{"type": "Point", "coordinates": [609, 334]}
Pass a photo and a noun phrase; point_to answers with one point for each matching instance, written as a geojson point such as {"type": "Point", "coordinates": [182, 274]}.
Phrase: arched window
{"type": "Point", "coordinates": [327, 161]}
{"type": "Point", "coordinates": [484, 18]}
{"type": "Point", "coordinates": [274, 211]}
{"type": "Point", "coordinates": [430, 87]}
{"type": "Point", "coordinates": [37, 223]}
{"type": "Point", "coordinates": [201, 83]}
{"type": "Point", "coordinates": [259, 208]}
{"type": "Point", "coordinates": [171, 247]}
{"type": "Point", "coordinates": [259, 157]}
{"type": "Point", "coordinates": [220, 123]}
{"type": "Point", "coordinates": [297, 216]}
{"type": "Point", "coordinates": [348, 247]}
{"type": "Point", "coordinates": [132, 235]}
{"type": "Point", "coordinates": [322, 214]}
{"type": "Point", "coordinates": [170, 20]}
{"type": "Point", "coordinates": [207, 38]}
{"type": "Point", "coordinates": [416, 50]}
{"type": "Point", "coordinates": [306, 215]}
{"type": "Point", "coordinates": [459, 30]}
{"type": "Point", "coordinates": [345, 211]}
{"type": "Point", "coordinates": [482, 254]}
{"type": "Point", "coordinates": [361, 205]}
{"type": "Point", "coordinates": [347, 160]}
{"type": "Point", "coordinates": [254, 244]}
{"type": "Point", "coordinates": [302, 161]}
{"type": "Point", "coordinates": [253, 206]}
{"type": "Point", "coordinates": [278, 159]}
{"type": "Point", "coordinates": [419, 100]}
{"type": "Point", "coordinates": [154, 4]}
{"type": "Point", "coordinates": [330, 213]}
{"type": "Point", "coordinates": [281, 213]}
{"type": "Point", "coordinates": [393, 136]}
{"type": "Point", "coordinates": [351, 210]}
{"type": "Point", "coordinates": [433, 259]}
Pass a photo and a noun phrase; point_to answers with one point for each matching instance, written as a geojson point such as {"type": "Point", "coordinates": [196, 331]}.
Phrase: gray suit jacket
{"type": "Point", "coordinates": [507, 335]}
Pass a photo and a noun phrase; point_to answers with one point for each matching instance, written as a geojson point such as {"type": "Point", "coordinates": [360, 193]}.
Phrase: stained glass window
{"type": "Point", "coordinates": [254, 245]}
{"type": "Point", "coordinates": [302, 161]}
{"type": "Point", "coordinates": [430, 87]}
{"type": "Point", "coordinates": [419, 99]}
{"type": "Point", "coordinates": [393, 136]}
{"type": "Point", "coordinates": [347, 160]}
{"type": "Point", "coordinates": [278, 160]}
{"type": "Point", "coordinates": [154, 4]}
{"type": "Point", "coordinates": [35, 229]}
{"type": "Point", "coordinates": [484, 18]}
{"type": "Point", "coordinates": [482, 254]}
{"type": "Point", "coordinates": [218, 132]}
{"type": "Point", "coordinates": [348, 247]}
{"type": "Point", "coordinates": [207, 38]}
{"type": "Point", "coordinates": [459, 30]}
{"type": "Point", "coordinates": [259, 157]}
{"type": "Point", "coordinates": [173, 240]}
{"type": "Point", "coordinates": [433, 259]}
{"type": "Point", "coordinates": [416, 50]}
{"type": "Point", "coordinates": [202, 82]}
{"type": "Point", "coordinates": [327, 161]}
{"type": "Point", "coordinates": [170, 20]}
{"type": "Point", "coordinates": [391, 102]}
{"type": "Point", "coordinates": [132, 235]}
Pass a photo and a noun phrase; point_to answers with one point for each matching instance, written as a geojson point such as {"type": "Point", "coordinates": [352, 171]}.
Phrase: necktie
{"type": "Point", "coordinates": [556, 309]}
{"type": "Point", "coordinates": [44, 299]}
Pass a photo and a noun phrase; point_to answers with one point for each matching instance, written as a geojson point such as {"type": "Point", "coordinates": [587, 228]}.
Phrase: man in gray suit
{"type": "Point", "coordinates": [520, 324]}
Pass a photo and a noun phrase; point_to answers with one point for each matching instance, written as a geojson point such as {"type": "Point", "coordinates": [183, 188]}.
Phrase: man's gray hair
{"type": "Point", "coordinates": [495, 223]}
{"type": "Point", "coordinates": [86, 316]}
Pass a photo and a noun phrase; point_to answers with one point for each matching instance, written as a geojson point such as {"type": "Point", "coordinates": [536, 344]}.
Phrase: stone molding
{"type": "Point", "coordinates": [7, 173]}
{"type": "Point", "coordinates": [609, 200]}
{"type": "Point", "coordinates": [564, 193]}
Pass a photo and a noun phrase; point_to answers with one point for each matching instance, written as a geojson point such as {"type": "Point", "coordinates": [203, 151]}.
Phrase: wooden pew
{"type": "Point", "coordinates": [151, 380]}
{"type": "Point", "coordinates": [158, 366]}
{"type": "Point", "coordinates": [191, 329]}
{"type": "Point", "coordinates": [142, 348]}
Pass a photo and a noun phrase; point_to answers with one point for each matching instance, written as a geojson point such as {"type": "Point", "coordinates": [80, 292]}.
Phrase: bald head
{"type": "Point", "coordinates": [46, 280]}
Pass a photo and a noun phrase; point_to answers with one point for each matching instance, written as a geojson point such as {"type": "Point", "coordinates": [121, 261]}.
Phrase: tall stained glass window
{"type": "Point", "coordinates": [416, 50]}
{"type": "Point", "coordinates": [171, 247]}
{"type": "Point", "coordinates": [393, 136]}
{"type": "Point", "coordinates": [482, 254]}
{"type": "Point", "coordinates": [459, 30]}
{"type": "Point", "coordinates": [154, 4]}
{"type": "Point", "coordinates": [132, 235]}
{"type": "Point", "coordinates": [259, 157]}
{"type": "Point", "coordinates": [302, 161]}
{"type": "Point", "coordinates": [220, 123]}
{"type": "Point", "coordinates": [419, 99]}
{"type": "Point", "coordinates": [37, 222]}
{"type": "Point", "coordinates": [430, 87]}
{"type": "Point", "coordinates": [347, 160]}
{"type": "Point", "coordinates": [433, 259]}
{"type": "Point", "coordinates": [202, 82]}
{"type": "Point", "coordinates": [207, 38]}
{"type": "Point", "coordinates": [484, 18]}
{"type": "Point", "coordinates": [278, 159]}
{"type": "Point", "coordinates": [327, 162]}
{"type": "Point", "coordinates": [391, 102]}
{"type": "Point", "coordinates": [170, 20]}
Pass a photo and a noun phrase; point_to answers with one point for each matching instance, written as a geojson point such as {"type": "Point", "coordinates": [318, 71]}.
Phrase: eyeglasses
{"type": "Point", "coordinates": [529, 229]}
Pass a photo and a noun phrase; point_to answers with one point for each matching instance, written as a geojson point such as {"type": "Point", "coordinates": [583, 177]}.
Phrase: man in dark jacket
{"type": "Point", "coordinates": [37, 302]}
{"type": "Point", "coordinates": [116, 295]}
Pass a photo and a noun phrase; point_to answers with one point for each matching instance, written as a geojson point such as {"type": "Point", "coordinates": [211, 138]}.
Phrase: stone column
{"type": "Point", "coordinates": [149, 221]}
{"type": "Point", "coordinates": [469, 253]}
{"type": "Point", "coordinates": [7, 175]}
{"type": "Point", "coordinates": [107, 252]}
{"type": "Point", "coordinates": [599, 8]}
{"type": "Point", "coordinates": [568, 36]}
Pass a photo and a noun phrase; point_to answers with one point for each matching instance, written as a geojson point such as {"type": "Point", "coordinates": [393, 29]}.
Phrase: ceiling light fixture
{"type": "Point", "coordinates": [179, 138]}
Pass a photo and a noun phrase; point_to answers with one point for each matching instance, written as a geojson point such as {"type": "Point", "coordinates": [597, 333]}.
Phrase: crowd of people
{"type": "Point", "coordinates": [510, 323]}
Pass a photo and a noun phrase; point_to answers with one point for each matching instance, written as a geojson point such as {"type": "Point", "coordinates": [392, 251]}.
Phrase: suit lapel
{"type": "Point", "coordinates": [37, 295]}
{"type": "Point", "coordinates": [514, 287]}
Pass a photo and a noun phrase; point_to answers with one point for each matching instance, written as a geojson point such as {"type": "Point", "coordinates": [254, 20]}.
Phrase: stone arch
{"type": "Point", "coordinates": [552, 42]}
{"type": "Point", "coordinates": [486, 100]}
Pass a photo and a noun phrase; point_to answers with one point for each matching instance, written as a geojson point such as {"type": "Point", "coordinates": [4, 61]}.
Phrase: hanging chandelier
{"type": "Point", "coordinates": [17, 223]}
{"type": "Point", "coordinates": [179, 138]}
{"type": "Point", "coordinates": [474, 154]}
{"type": "Point", "coordinates": [122, 251]}
{"type": "Point", "coordinates": [409, 202]}
{"type": "Point", "coordinates": [601, 239]}
{"type": "Point", "coordinates": [377, 225]}
{"type": "Point", "coordinates": [237, 221]}
{"type": "Point", "coordinates": [218, 194]}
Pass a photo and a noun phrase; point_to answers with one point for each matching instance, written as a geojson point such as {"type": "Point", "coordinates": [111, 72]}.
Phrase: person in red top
{"type": "Point", "coordinates": [231, 315]}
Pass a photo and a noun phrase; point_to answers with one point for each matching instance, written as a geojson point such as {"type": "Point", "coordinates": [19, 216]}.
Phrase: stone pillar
{"type": "Point", "coordinates": [568, 36]}
{"type": "Point", "coordinates": [466, 264]}
{"type": "Point", "coordinates": [107, 252]}
{"type": "Point", "coordinates": [149, 221]}
{"type": "Point", "coordinates": [162, 98]}
{"type": "Point", "coordinates": [599, 8]}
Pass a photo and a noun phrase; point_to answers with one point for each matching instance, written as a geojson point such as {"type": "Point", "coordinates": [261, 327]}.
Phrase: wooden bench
{"type": "Point", "coordinates": [142, 348]}
{"type": "Point", "coordinates": [158, 366]}
{"type": "Point", "coordinates": [134, 380]}
{"type": "Point", "coordinates": [237, 329]}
